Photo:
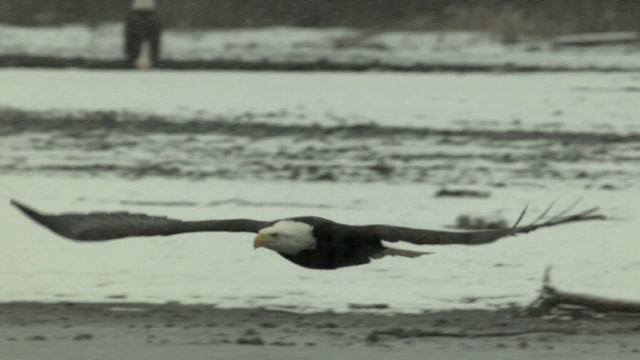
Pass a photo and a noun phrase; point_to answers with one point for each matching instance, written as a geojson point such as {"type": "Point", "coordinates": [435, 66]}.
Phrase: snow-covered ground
{"type": "Point", "coordinates": [336, 45]}
{"type": "Point", "coordinates": [549, 101]}
{"type": "Point", "coordinates": [578, 128]}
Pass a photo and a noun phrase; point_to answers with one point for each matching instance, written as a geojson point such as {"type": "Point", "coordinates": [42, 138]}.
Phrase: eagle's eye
{"type": "Point", "coordinates": [275, 234]}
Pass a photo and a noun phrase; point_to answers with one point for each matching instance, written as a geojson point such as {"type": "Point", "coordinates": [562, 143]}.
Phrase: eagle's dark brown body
{"type": "Point", "coordinates": [337, 246]}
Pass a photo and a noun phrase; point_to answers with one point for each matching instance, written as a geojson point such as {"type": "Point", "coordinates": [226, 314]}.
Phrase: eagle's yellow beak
{"type": "Point", "coordinates": [259, 241]}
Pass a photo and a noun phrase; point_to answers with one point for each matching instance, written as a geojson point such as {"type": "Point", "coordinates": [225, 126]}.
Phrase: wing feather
{"type": "Point", "coordinates": [100, 226]}
{"type": "Point", "coordinates": [435, 237]}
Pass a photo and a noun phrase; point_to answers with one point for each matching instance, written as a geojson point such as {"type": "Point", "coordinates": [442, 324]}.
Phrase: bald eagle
{"type": "Point", "coordinates": [311, 242]}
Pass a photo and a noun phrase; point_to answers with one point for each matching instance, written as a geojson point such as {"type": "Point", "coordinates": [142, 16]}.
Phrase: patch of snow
{"type": "Point", "coordinates": [565, 101]}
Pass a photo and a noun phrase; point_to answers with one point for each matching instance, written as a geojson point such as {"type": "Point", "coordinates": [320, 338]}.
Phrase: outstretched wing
{"type": "Point", "coordinates": [100, 226]}
{"type": "Point", "coordinates": [434, 237]}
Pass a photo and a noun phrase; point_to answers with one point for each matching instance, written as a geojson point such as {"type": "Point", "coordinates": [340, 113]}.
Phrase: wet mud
{"type": "Point", "coordinates": [124, 328]}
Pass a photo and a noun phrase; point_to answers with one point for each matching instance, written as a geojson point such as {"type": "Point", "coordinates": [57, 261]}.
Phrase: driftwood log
{"type": "Point", "coordinates": [551, 298]}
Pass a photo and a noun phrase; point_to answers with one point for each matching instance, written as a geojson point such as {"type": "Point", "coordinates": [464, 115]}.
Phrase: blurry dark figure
{"type": "Point", "coordinates": [142, 35]}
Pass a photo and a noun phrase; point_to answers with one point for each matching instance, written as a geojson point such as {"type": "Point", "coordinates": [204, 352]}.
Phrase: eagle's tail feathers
{"type": "Point", "coordinates": [403, 252]}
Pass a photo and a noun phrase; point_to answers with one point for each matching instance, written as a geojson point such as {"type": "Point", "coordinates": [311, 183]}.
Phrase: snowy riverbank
{"type": "Point", "coordinates": [309, 49]}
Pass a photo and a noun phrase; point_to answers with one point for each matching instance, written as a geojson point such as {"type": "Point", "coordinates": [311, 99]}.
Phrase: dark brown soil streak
{"type": "Point", "coordinates": [27, 61]}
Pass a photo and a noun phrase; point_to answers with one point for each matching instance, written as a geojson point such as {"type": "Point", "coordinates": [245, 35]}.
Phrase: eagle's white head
{"type": "Point", "coordinates": [287, 237]}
